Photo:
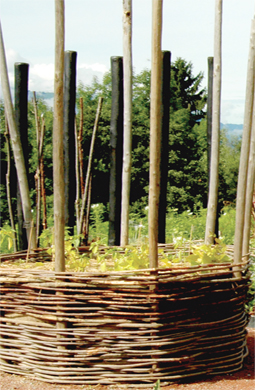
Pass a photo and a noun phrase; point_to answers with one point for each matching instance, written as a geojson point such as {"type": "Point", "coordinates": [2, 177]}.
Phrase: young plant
{"type": "Point", "coordinates": [7, 236]}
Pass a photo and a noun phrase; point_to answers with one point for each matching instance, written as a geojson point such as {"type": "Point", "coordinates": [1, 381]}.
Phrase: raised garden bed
{"type": "Point", "coordinates": [123, 327]}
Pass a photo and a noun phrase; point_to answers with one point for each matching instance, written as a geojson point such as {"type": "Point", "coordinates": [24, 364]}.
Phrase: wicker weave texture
{"type": "Point", "coordinates": [123, 327]}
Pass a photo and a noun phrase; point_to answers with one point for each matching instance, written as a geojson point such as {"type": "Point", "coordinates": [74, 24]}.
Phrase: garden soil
{"type": "Point", "coordinates": [240, 380]}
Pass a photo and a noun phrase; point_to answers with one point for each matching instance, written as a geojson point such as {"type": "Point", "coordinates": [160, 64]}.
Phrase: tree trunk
{"type": "Point", "coordinates": [58, 160]}
{"type": "Point", "coordinates": [245, 151]}
{"type": "Point", "coordinates": [16, 146]}
{"type": "Point", "coordinates": [155, 131]}
{"type": "Point", "coordinates": [127, 135]}
{"type": "Point", "coordinates": [215, 151]}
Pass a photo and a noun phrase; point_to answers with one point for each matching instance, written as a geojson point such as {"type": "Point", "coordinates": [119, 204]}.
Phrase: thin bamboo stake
{"type": "Point", "coordinates": [215, 150]}
{"type": "Point", "coordinates": [16, 145]}
{"type": "Point", "coordinates": [85, 194]}
{"type": "Point", "coordinates": [37, 175]}
{"type": "Point", "coordinates": [245, 150]}
{"type": "Point", "coordinates": [8, 190]}
{"type": "Point", "coordinates": [58, 160]}
{"type": "Point", "coordinates": [86, 224]}
{"type": "Point", "coordinates": [155, 131]}
{"type": "Point", "coordinates": [127, 135]}
{"type": "Point", "coordinates": [43, 192]}
{"type": "Point", "coordinates": [77, 175]}
{"type": "Point", "coordinates": [80, 136]}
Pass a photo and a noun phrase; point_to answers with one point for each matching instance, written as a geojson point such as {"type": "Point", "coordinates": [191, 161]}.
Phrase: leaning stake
{"type": "Point", "coordinates": [245, 150]}
{"type": "Point", "coordinates": [16, 146]}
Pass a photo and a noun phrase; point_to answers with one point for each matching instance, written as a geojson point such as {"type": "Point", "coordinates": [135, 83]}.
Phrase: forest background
{"type": "Point", "coordinates": [187, 171]}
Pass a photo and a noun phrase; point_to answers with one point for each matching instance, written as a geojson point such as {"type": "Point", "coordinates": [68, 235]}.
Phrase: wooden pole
{"type": "Point", "coordinates": [80, 149]}
{"type": "Point", "coordinates": [44, 218]}
{"type": "Point", "coordinates": [16, 146]}
{"type": "Point", "coordinates": [116, 144]}
{"type": "Point", "coordinates": [209, 115]}
{"type": "Point", "coordinates": [215, 150]}
{"type": "Point", "coordinates": [209, 133]}
{"type": "Point", "coordinates": [37, 175]}
{"type": "Point", "coordinates": [127, 135]}
{"type": "Point", "coordinates": [164, 163]}
{"type": "Point", "coordinates": [20, 108]}
{"type": "Point", "coordinates": [69, 139]}
{"type": "Point", "coordinates": [155, 131]}
{"type": "Point", "coordinates": [58, 160]}
{"type": "Point", "coordinates": [77, 177]}
{"type": "Point", "coordinates": [245, 151]}
{"type": "Point", "coordinates": [249, 192]}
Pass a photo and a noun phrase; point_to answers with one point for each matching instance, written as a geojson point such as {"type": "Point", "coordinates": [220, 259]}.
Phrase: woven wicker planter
{"type": "Point", "coordinates": [123, 327]}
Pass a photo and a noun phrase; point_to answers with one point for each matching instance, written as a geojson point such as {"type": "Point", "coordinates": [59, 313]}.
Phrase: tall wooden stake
{"type": "Point", "coordinates": [16, 146]}
{"type": "Point", "coordinates": [164, 163]}
{"type": "Point", "coordinates": [245, 150]}
{"type": "Point", "coordinates": [116, 142]}
{"type": "Point", "coordinates": [80, 149]}
{"type": "Point", "coordinates": [20, 107]}
{"type": "Point", "coordinates": [209, 115]}
{"type": "Point", "coordinates": [38, 173]}
{"type": "Point", "coordinates": [69, 140]}
{"type": "Point", "coordinates": [58, 161]}
{"type": "Point", "coordinates": [44, 217]}
{"type": "Point", "coordinates": [215, 150]}
{"type": "Point", "coordinates": [127, 135]}
{"type": "Point", "coordinates": [249, 192]}
{"type": "Point", "coordinates": [155, 131]}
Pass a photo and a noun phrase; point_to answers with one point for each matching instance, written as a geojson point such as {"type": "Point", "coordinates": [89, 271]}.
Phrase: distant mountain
{"type": "Point", "coordinates": [41, 95]}
{"type": "Point", "coordinates": [232, 129]}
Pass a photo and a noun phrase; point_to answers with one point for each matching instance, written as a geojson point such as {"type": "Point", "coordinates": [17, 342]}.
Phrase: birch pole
{"type": "Point", "coordinates": [58, 160]}
{"type": "Point", "coordinates": [16, 147]}
{"type": "Point", "coordinates": [249, 192]}
{"type": "Point", "coordinates": [245, 150]}
{"type": "Point", "coordinates": [215, 149]}
{"type": "Point", "coordinates": [155, 131]}
{"type": "Point", "coordinates": [127, 135]}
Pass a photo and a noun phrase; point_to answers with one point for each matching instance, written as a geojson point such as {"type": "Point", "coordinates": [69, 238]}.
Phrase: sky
{"type": "Point", "coordinates": [93, 28]}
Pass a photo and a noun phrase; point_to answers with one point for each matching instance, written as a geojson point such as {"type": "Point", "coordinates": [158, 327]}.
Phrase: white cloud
{"type": "Point", "coordinates": [232, 111]}
{"type": "Point", "coordinates": [11, 57]}
{"type": "Point", "coordinates": [44, 71]}
{"type": "Point", "coordinates": [101, 68]}
{"type": "Point", "coordinates": [41, 77]}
